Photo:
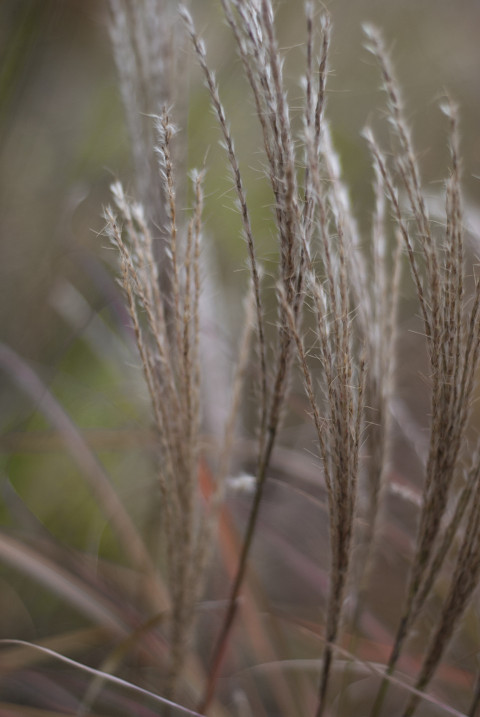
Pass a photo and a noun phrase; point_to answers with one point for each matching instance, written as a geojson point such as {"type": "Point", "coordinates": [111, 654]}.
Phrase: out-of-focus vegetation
{"type": "Point", "coordinates": [65, 578]}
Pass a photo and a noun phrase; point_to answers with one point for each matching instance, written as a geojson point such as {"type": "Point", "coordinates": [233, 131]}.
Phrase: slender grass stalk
{"type": "Point", "coordinates": [463, 583]}
{"type": "Point", "coordinates": [124, 684]}
{"type": "Point", "coordinates": [255, 26]}
{"type": "Point", "coordinates": [147, 49]}
{"type": "Point", "coordinates": [174, 385]}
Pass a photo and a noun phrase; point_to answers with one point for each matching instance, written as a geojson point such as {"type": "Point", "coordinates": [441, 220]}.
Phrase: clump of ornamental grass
{"type": "Point", "coordinates": [337, 294]}
{"type": "Point", "coordinates": [453, 342]}
{"type": "Point", "coordinates": [323, 270]}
